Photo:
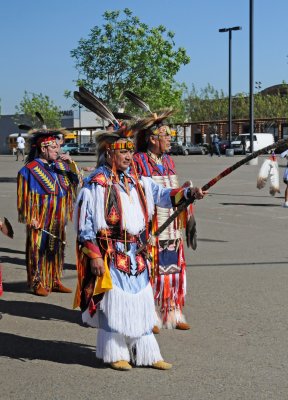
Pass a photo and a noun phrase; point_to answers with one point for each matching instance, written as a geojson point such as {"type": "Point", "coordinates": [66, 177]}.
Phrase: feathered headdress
{"type": "Point", "coordinates": [147, 125]}
{"type": "Point", "coordinates": [41, 137]}
{"type": "Point", "coordinates": [105, 139]}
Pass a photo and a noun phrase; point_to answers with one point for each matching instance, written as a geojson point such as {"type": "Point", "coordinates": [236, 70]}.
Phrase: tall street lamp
{"type": "Point", "coordinates": [234, 28]}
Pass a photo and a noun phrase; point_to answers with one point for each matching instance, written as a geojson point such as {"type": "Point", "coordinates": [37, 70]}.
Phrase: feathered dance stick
{"type": "Point", "coordinates": [208, 185]}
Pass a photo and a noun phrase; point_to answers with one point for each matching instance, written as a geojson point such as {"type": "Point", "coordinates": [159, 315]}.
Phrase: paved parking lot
{"type": "Point", "coordinates": [236, 303]}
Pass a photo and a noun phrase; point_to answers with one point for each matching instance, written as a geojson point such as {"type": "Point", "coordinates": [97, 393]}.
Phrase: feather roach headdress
{"type": "Point", "coordinates": [41, 137]}
{"type": "Point", "coordinates": [146, 126]}
{"type": "Point", "coordinates": [105, 139]}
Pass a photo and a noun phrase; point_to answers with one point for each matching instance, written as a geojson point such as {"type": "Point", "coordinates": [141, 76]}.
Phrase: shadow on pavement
{"type": "Point", "coordinates": [24, 349]}
{"type": "Point", "coordinates": [239, 264]}
{"type": "Point", "coordinates": [212, 240]}
{"type": "Point", "coordinates": [70, 267]}
{"type": "Point", "coordinates": [13, 251]}
{"type": "Point", "coordinates": [16, 287]}
{"type": "Point", "coordinates": [250, 204]}
{"type": "Point", "coordinates": [40, 311]}
{"type": "Point", "coordinates": [12, 260]}
{"type": "Point", "coordinates": [8, 179]}
{"type": "Point", "coordinates": [242, 195]}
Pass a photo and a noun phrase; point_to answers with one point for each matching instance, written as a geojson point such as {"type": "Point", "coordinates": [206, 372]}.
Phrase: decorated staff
{"type": "Point", "coordinates": [153, 141]}
{"type": "Point", "coordinates": [211, 183]}
{"type": "Point", "coordinates": [46, 190]}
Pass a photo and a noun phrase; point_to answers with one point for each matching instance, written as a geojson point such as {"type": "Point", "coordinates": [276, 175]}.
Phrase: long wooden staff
{"type": "Point", "coordinates": [208, 185]}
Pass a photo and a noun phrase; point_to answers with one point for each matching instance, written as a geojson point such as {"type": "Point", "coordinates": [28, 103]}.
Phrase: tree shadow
{"type": "Point", "coordinates": [40, 311]}
{"type": "Point", "coordinates": [25, 349]}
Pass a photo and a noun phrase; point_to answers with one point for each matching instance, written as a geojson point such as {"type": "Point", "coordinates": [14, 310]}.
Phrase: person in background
{"type": "Point", "coordinates": [215, 143]}
{"type": "Point", "coordinates": [243, 142]}
{"type": "Point", "coordinates": [20, 147]}
{"type": "Point", "coordinates": [46, 189]}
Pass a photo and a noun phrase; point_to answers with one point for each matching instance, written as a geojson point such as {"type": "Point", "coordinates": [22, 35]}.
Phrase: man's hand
{"type": "Point", "coordinates": [97, 266]}
{"type": "Point", "coordinates": [66, 157]}
{"type": "Point", "coordinates": [35, 224]}
{"type": "Point", "coordinates": [197, 192]}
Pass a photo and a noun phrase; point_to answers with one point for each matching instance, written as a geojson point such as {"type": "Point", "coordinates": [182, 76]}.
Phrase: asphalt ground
{"type": "Point", "coordinates": [236, 304]}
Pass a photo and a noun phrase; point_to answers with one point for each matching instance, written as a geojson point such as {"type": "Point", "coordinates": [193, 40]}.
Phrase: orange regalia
{"type": "Point", "coordinates": [168, 261]}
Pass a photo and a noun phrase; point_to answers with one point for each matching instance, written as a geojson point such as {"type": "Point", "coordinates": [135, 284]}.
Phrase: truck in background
{"type": "Point", "coordinates": [260, 140]}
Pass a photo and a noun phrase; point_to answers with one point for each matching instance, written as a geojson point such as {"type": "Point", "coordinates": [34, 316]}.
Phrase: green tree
{"type": "Point", "coordinates": [125, 53]}
{"type": "Point", "coordinates": [32, 102]}
{"type": "Point", "coordinates": [207, 104]}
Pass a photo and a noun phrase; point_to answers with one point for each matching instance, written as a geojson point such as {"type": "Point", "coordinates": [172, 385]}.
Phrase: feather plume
{"type": "Point", "coordinates": [123, 116]}
{"type": "Point", "coordinates": [137, 100]}
{"type": "Point", "coordinates": [40, 118]}
{"type": "Point", "coordinates": [24, 127]}
{"type": "Point", "coordinates": [99, 107]}
{"type": "Point", "coordinates": [149, 122]}
{"type": "Point", "coordinates": [6, 228]}
{"type": "Point", "coordinates": [84, 102]}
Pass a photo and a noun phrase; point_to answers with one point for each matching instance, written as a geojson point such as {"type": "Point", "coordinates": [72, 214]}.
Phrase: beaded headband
{"type": "Point", "coordinates": [127, 145]}
{"type": "Point", "coordinates": [164, 129]}
{"type": "Point", "coordinates": [46, 141]}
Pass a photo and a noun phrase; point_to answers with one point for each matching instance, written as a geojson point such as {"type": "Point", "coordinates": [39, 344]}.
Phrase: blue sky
{"type": "Point", "coordinates": [38, 35]}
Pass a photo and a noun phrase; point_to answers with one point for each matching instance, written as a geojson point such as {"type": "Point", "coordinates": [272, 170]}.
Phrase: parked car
{"type": "Point", "coordinates": [185, 149]}
{"type": "Point", "coordinates": [87, 148]}
{"type": "Point", "coordinates": [72, 148]}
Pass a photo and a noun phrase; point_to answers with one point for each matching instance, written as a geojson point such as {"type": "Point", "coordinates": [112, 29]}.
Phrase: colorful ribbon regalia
{"type": "Point", "coordinates": [168, 261]}
{"type": "Point", "coordinates": [111, 214]}
{"type": "Point", "coordinates": [45, 193]}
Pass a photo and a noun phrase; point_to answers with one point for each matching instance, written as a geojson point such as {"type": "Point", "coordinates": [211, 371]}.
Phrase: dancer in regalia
{"type": "Point", "coordinates": [112, 213]}
{"type": "Point", "coordinates": [153, 140]}
{"type": "Point", "coordinates": [46, 190]}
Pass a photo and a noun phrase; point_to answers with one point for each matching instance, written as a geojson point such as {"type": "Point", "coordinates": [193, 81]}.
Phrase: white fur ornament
{"type": "Point", "coordinates": [269, 169]}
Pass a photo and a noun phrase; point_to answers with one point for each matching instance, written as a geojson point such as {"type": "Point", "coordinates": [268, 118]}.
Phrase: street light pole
{"type": "Point", "coordinates": [234, 28]}
{"type": "Point", "coordinates": [251, 73]}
